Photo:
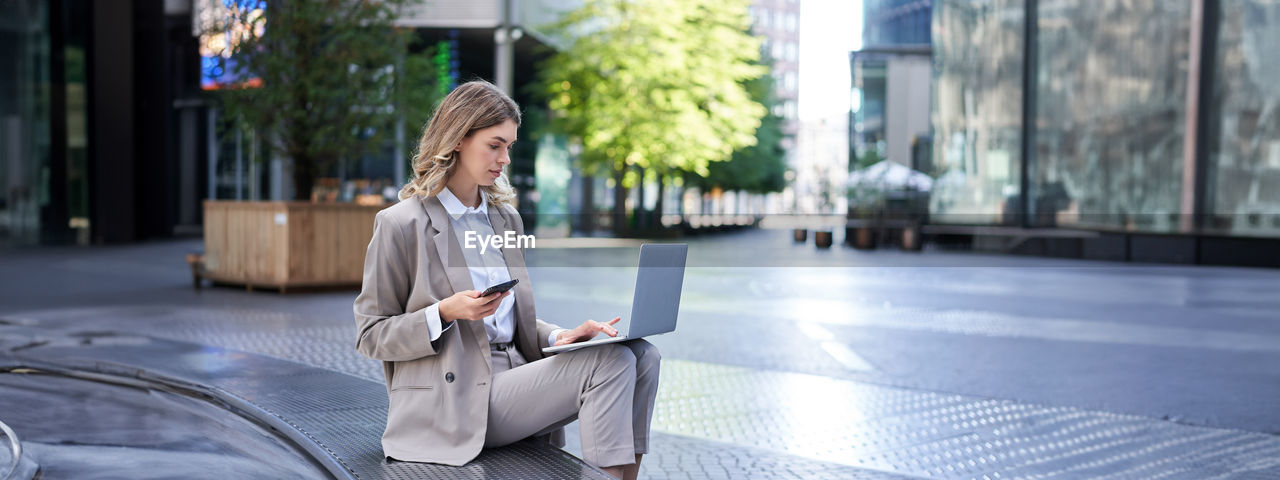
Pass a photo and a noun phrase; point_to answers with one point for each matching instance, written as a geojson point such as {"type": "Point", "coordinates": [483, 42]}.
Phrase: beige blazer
{"type": "Point", "coordinates": [439, 391]}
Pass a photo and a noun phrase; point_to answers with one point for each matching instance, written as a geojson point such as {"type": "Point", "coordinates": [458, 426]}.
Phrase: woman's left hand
{"type": "Point", "coordinates": [587, 331]}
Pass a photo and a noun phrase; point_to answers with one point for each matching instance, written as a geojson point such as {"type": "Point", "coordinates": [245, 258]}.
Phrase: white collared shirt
{"type": "Point", "coordinates": [486, 269]}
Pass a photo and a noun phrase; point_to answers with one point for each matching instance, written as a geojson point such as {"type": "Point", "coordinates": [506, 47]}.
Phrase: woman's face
{"type": "Point", "coordinates": [482, 155]}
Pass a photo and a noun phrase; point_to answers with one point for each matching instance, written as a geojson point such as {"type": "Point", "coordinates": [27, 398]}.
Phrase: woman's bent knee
{"type": "Point", "coordinates": [623, 354]}
{"type": "Point", "coordinates": [647, 355]}
{"type": "Point", "coordinates": [621, 363]}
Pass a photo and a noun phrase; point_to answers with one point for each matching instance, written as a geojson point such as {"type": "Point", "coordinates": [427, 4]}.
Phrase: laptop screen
{"type": "Point", "coordinates": [659, 281]}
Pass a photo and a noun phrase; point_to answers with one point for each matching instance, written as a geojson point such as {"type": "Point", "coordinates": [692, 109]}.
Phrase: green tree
{"type": "Point", "coordinates": [653, 85]}
{"type": "Point", "coordinates": [758, 168]}
{"type": "Point", "coordinates": [321, 80]}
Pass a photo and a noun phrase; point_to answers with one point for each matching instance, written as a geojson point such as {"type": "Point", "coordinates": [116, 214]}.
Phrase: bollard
{"type": "Point", "coordinates": [822, 238]}
{"type": "Point", "coordinates": [801, 235]}
{"type": "Point", "coordinates": [911, 239]}
{"type": "Point", "coordinates": [864, 238]}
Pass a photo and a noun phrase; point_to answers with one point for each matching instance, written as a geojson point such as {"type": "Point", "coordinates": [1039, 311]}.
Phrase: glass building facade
{"type": "Point", "coordinates": [1111, 95]}
{"type": "Point", "coordinates": [1084, 117]}
{"type": "Point", "coordinates": [892, 29]}
{"type": "Point", "coordinates": [895, 22]}
{"type": "Point", "coordinates": [1243, 121]}
{"type": "Point", "coordinates": [100, 122]}
{"type": "Point", "coordinates": [977, 110]}
{"type": "Point", "coordinates": [24, 106]}
{"type": "Point", "coordinates": [43, 133]}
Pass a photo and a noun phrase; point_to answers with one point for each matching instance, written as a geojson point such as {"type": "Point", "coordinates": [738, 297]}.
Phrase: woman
{"type": "Point", "coordinates": [465, 371]}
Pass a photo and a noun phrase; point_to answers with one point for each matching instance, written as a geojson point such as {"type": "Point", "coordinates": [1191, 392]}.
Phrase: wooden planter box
{"type": "Point", "coordinates": [286, 244]}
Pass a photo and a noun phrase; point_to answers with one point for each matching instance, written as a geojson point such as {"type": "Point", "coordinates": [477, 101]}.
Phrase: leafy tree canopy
{"type": "Point", "coordinates": [323, 78]}
{"type": "Point", "coordinates": [758, 168]}
{"type": "Point", "coordinates": [655, 84]}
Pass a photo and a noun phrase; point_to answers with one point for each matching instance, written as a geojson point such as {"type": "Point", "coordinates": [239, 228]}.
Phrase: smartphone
{"type": "Point", "coordinates": [501, 287]}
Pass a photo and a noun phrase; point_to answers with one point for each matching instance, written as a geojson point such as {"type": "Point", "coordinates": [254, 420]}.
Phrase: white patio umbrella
{"type": "Point", "coordinates": [890, 175]}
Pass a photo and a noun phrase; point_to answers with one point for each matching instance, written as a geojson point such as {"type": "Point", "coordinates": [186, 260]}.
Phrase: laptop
{"type": "Point", "coordinates": [656, 302]}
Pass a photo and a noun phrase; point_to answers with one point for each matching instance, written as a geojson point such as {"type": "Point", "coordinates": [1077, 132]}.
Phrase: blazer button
{"type": "Point", "coordinates": [448, 377]}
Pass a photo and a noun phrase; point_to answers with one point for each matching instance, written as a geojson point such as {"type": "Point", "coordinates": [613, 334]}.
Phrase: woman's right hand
{"type": "Point", "coordinates": [469, 305]}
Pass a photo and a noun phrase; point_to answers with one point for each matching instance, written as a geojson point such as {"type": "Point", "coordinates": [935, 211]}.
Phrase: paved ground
{"type": "Point", "coordinates": [797, 363]}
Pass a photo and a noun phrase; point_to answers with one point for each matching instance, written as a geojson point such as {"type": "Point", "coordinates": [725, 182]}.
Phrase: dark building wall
{"type": "Point", "coordinates": [111, 123]}
{"type": "Point", "coordinates": [133, 83]}
{"type": "Point", "coordinates": [155, 174]}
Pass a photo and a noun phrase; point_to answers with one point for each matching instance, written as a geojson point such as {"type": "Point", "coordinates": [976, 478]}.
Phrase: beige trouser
{"type": "Point", "coordinates": [611, 388]}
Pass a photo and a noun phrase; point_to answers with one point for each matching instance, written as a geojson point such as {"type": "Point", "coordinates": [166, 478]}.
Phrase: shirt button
{"type": "Point", "coordinates": [448, 377]}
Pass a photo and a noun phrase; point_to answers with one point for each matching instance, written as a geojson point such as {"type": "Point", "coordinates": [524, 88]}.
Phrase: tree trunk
{"type": "Point", "coordinates": [619, 201]}
{"type": "Point", "coordinates": [684, 187]}
{"type": "Point", "coordinates": [642, 219]}
{"type": "Point", "coordinates": [587, 219]}
{"type": "Point", "coordinates": [304, 178]}
{"type": "Point", "coordinates": [658, 205]}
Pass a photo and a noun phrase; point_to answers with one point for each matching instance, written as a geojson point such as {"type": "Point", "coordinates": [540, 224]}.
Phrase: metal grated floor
{"type": "Point", "coordinates": [943, 435]}
{"type": "Point", "coordinates": [846, 428]}
{"type": "Point", "coordinates": [341, 414]}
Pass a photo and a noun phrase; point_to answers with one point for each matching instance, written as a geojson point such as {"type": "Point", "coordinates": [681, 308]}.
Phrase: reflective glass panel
{"type": "Point", "coordinates": [977, 110]}
{"type": "Point", "coordinates": [24, 119]}
{"type": "Point", "coordinates": [1110, 114]}
{"type": "Point", "coordinates": [1243, 186]}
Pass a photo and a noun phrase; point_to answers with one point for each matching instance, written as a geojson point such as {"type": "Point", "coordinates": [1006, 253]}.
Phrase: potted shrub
{"type": "Point", "coordinates": [822, 238]}
{"type": "Point", "coordinates": [331, 84]}
{"type": "Point", "coordinates": [866, 201]}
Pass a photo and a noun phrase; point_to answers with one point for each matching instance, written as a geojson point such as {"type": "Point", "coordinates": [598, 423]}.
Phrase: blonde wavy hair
{"type": "Point", "coordinates": [472, 106]}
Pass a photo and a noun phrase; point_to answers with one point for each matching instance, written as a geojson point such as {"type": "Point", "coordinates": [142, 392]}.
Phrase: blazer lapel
{"type": "Point", "coordinates": [454, 264]}
{"type": "Point", "coordinates": [526, 329]}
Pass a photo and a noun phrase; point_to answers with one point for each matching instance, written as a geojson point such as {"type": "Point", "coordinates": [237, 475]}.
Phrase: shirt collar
{"type": "Point", "coordinates": [455, 207]}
